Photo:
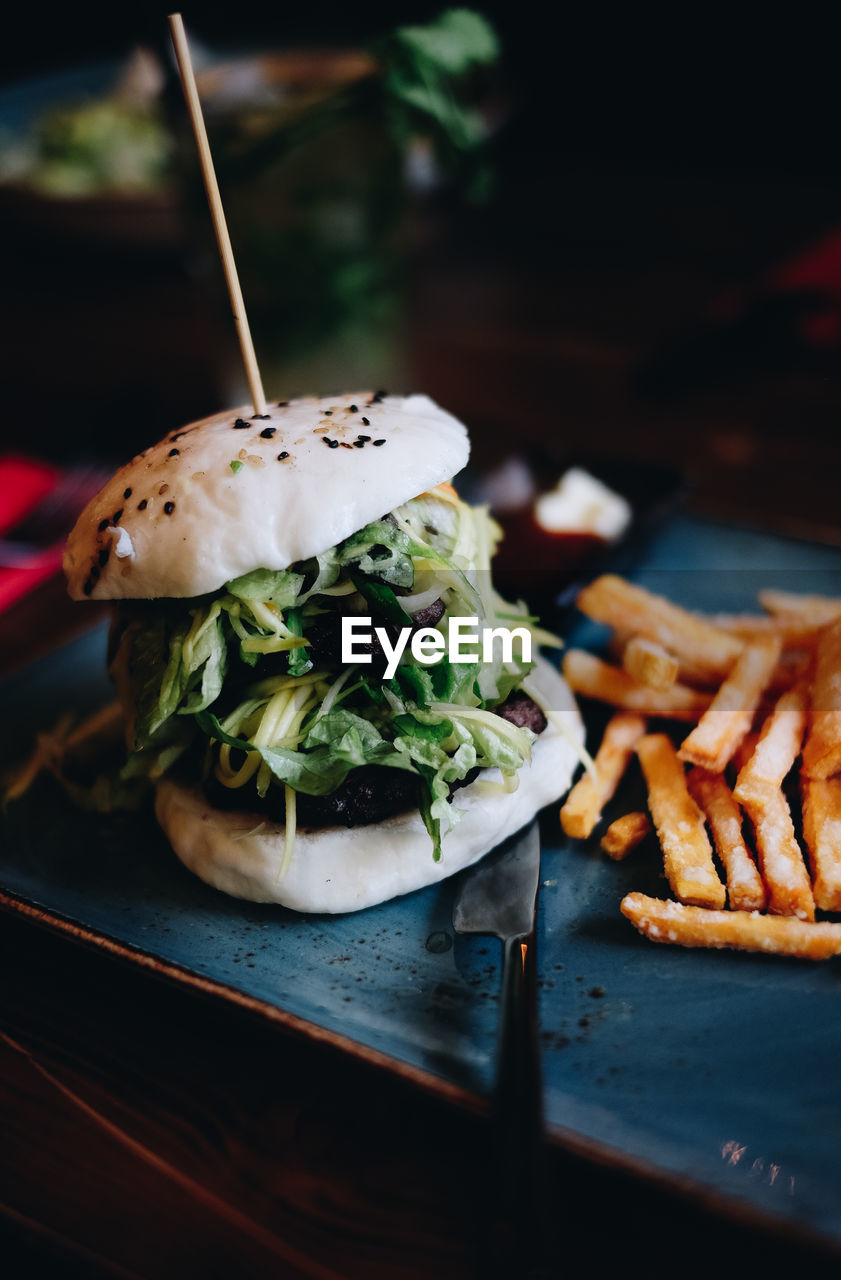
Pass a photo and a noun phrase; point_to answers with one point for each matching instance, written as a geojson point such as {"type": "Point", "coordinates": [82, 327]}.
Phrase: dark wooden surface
{"type": "Point", "coordinates": [148, 1132]}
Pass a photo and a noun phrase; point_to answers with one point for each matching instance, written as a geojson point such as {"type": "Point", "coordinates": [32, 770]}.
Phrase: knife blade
{"type": "Point", "coordinates": [499, 898]}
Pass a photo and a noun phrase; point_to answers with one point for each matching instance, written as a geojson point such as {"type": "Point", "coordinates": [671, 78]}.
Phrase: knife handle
{"type": "Point", "coordinates": [519, 1221]}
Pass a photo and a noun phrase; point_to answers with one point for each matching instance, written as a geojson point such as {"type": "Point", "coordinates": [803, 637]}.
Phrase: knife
{"type": "Point", "coordinates": [499, 897]}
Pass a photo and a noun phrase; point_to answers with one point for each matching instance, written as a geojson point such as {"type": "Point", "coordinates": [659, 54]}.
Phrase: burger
{"type": "Point", "coordinates": [241, 552]}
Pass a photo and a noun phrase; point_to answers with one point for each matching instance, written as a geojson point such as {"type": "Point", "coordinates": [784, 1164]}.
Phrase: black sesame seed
{"type": "Point", "coordinates": [261, 416]}
{"type": "Point", "coordinates": [365, 422]}
{"type": "Point", "coordinates": [378, 396]}
{"type": "Point", "coordinates": [177, 436]}
{"type": "Point", "coordinates": [95, 572]}
{"type": "Point", "coordinates": [354, 408]}
{"type": "Point", "coordinates": [103, 555]}
{"type": "Point", "coordinates": [328, 413]}
{"type": "Point", "coordinates": [241, 425]}
{"type": "Point", "coordinates": [142, 505]}
{"type": "Point", "coordinates": [126, 493]}
{"type": "Point", "coordinates": [117, 516]}
{"type": "Point", "coordinates": [103, 525]}
{"type": "Point", "coordinates": [88, 587]}
{"type": "Point", "coordinates": [169, 507]}
{"type": "Point", "coordinates": [267, 432]}
{"type": "Point", "coordinates": [334, 444]}
{"type": "Point", "coordinates": [359, 444]}
{"type": "Point", "coordinates": [281, 456]}
{"type": "Point", "coordinates": [377, 443]}
{"type": "Point", "coordinates": [173, 453]}
{"type": "Point", "coordinates": [281, 404]}
{"type": "Point", "coordinates": [364, 439]}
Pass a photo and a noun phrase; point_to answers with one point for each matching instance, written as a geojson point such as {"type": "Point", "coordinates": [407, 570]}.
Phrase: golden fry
{"type": "Point", "coordinates": [822, 836]}
{"type": "Point", "coordinates": [716, 737]}
{"type": "Point", "coordinates": [648, 663]}
{"type": "Point", "coordinates": [687, 855]}
{"type": "Point", "coordinates": [780, 859]}
{"type": "Point", "coordinates": [822, 752]}
{"type": "Point", "coordinates": [623, 835]}
{"type": "Point", "coordinates": [593, 678]}
{"type": "Point", "coordinates": [778, 744]}
{"type": "Point", "coordinates": [745, 890]}
{"type": "Point", "coordinates": [583, 806]}
{"type": "Point", "coordinates": [795, 633]}
{"type": "Point", "coordinates": [702, 646]}
{"type": "Point", "coordinates": [742, 930]}
{"type": "Point", "coordinates": [817, 611]}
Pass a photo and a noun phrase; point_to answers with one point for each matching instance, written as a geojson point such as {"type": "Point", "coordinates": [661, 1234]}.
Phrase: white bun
{"type": "Point", "coordinates": [179, 521]}
{"type": "Point", "coordinates": [340, 869]}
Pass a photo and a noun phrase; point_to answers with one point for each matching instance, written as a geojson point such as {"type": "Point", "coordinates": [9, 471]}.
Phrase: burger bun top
{"type": "Point", "coordinates": [234, 492]}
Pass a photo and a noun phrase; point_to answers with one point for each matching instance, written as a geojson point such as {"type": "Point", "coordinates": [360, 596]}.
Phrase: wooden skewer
{"type": "Point", "coordinates": [188, 83]}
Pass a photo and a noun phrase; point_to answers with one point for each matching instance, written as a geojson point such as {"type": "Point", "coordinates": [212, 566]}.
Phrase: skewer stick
{"type": "Point", "coordinates": [188, 84]}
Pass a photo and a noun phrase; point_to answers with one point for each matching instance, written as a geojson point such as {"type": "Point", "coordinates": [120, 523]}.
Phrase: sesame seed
{"type": "Point", "coordinates": [163, 490]}
{"type": "Point", "coordinates": [281, 404]}
{"type": "Point", "coordinates": [365, 422]}
{"type": "Point", "coordinates": [88, 587]}
{"type": "Point", "coordinates": [95, 572]}
{"type": "Point", "coordinates": [281, 456]}
{"type": "Point", "coordinates": [116, 517]}
{"type": "Point", "coordinates": [260, 416]}
{"type": "Point", "coordinates": [241, 425]}
{"type": "Point", "coordinates": [103, 525]}
{"type": "Point", "coordinates": [378, 396]}
{"type": "Point", "coordinates": [328, 413]}
{"type": "Point", "coordinates": [142, 505]}
{"type": "Point", "coordinates": [103, 555]}
{"type": "Point", "coordinates": [267, 432]}
{"type": "Point", "coordinates": [359, 444]}
{"type": "Point", "coordinates": [169, 507]}
{"type": "Point", "coordinates": [127, 493]}
{"type": "Point", "coordinates": [173, 453]}
{"type": "Point", "coordinates": [378, 442]}
{"type": "Point", "coordinates": [334, 444]}
{"type": "Point", "coordinates": [364, 439]}
{"type": "Point", "coordinates": [354, 408]}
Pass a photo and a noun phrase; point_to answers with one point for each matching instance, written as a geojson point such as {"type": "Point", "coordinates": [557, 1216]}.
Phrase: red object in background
{"type": "Point", "coordinates": [24, 482]}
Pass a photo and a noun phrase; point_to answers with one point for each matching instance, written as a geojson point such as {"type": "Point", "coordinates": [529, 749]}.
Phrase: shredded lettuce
{"type": "Point", "coordinates": [254, 671]}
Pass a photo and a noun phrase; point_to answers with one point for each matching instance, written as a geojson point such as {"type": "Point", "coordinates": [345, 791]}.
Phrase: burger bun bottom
{"type": "Point", "coordinates": [339, 869]}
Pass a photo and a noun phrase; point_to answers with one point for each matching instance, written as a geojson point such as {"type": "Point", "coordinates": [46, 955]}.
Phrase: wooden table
{"type": "Point", "coordinates": [148, 1132]}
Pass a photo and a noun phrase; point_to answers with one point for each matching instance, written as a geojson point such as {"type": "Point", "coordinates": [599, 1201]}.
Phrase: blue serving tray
{"type": "Point", "coordinates": [715, 1070]}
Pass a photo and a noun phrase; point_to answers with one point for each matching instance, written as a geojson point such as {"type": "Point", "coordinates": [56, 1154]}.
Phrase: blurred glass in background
{"type": "Point", "coordinates": [326, 159]}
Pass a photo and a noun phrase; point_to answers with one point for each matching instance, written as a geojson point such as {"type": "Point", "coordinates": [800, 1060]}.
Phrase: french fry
{"type": "Point", "coordinates": [822, 837]}
{"type": "Point", "coordinates": [716, 737]}
{"type": "Point", "coordinates": [648, 663]}
{"type": "Point", "coordinates": [619, 603]}
{"type": "Point", "coordinates": [687, 855]}
{"type": "Point", "coordinates": [592, 678]}
{"type": "Point", "coordinates": [778, 745]}
{"type": "Point", "coordinates": [817, 611]}
{"type": "Point", "coordinates": [745, 890]}
{"type": "Point", "coordinates": [795, 633]}
{"type": "Point", "coordinates": [822, 752]}
{"type": "Point", "coordinates": [583, 806]}
{"type": "Point", "coordinates": [780, 858]}
{"type": "Point", "coordinates": [623, 835]}
{"type": "Point", "coordinates": [664, 921]}
{"type": "Point", "coordinates": [745, 750]}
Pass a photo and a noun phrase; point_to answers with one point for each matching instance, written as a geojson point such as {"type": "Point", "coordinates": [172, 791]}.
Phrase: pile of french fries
{"type": "Point", "coordinates": [752, 697]}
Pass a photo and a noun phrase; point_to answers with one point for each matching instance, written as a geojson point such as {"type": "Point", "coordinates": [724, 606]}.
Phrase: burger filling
{"type": "Point", "coordinates": [251, 679]}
